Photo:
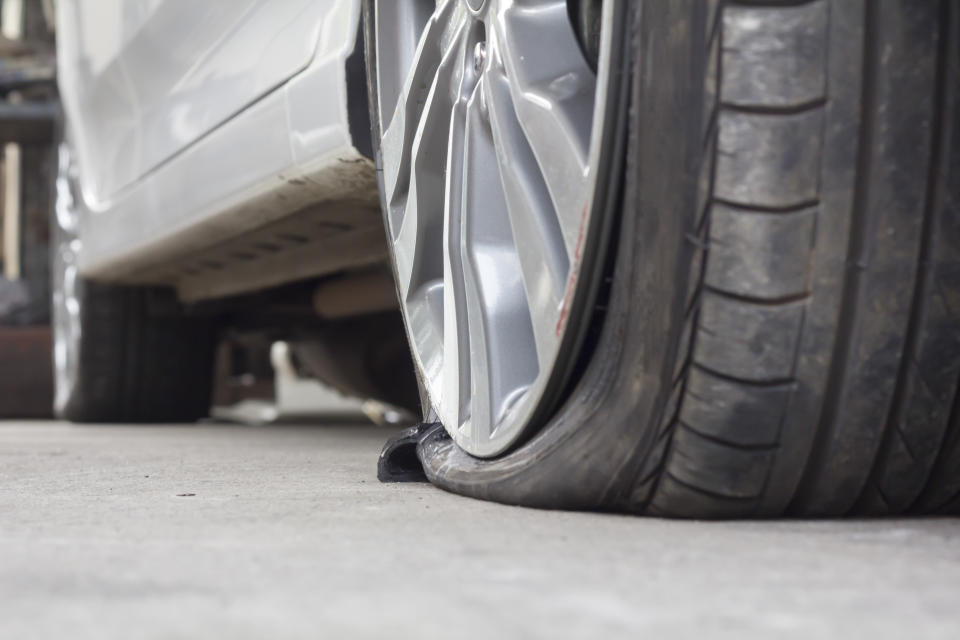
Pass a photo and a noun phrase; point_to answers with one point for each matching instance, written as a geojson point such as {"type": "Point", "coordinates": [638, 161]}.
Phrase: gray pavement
{"type": "Point", "coordinates": [268, 532]}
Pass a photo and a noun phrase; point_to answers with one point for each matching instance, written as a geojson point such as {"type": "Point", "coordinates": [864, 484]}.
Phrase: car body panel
{"type": "Point", "coordinates": [144, 79]}
{"type": "Point", "coordinates": [174, 157]}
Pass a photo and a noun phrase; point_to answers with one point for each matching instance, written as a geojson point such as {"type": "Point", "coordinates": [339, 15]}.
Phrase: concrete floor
{"type": "Point", "coordinates": [267, 532]}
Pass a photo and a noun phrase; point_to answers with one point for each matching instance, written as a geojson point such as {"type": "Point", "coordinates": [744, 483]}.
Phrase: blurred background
{"type": "Point", "coordinates": [256, 379]}
{"type": "Point", "coordinates": [28, 123]}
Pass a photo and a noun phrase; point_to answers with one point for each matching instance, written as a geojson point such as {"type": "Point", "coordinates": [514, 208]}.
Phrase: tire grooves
{"type": "Point", "coordinates": [942, 462]}
{"type": "Point", "coordinates": [904, 441]}
{"type": "Point", "coordinates": [723, 441]}
{"type": "Point", "coordinates": [668, 507]}
{"type": "Point", "coordinates": [755, 300]}
{"type": "Point", "coordinates": [746, 206]}
{"type": "Point", "coordinates": [779, 110]}
{"type": "Point", "coordinates": [909, 369]}
{"type": "Point", "coordinates": [706, 492]}
{"type": "Point", "coordinates": [770, 382]}
{"type": "Point", "coordinates": [668, 423]}
{"type": "Point", "coordinates": [936, 493]}
{"type": "Point", "coordinates": [859, 223]}
{"type": "Point", "coordinates": [677, 504]}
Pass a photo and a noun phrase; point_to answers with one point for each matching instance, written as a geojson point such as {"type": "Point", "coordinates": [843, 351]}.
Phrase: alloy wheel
{"type": "Point", "coordinates": [489, 113]}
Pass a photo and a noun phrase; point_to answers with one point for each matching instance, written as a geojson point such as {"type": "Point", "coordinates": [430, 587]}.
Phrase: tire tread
{"type": "Point", "coordinates": [755, 290]}
{"type": "Point", "coordinates": [138, 364]}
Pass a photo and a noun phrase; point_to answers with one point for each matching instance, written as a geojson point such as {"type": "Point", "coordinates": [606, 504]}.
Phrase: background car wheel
{"type": "Point", "coordinates": [780, 332]}
{"type": "Point", "coordinates": [121, 354]}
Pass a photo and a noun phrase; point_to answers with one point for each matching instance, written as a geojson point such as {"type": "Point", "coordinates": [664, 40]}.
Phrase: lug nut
{"type": "Point", "coordinates": [479, 56]}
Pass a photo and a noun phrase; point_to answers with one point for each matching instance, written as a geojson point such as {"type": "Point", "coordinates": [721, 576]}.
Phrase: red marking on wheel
{"type": "Point", "coordinates": [574, 269]}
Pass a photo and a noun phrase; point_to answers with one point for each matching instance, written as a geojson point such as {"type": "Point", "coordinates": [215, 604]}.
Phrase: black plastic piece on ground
{"type": "Point", "coordinates": [398, 461]}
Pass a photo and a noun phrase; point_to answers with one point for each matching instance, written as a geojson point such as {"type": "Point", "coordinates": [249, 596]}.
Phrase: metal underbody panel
{"type": "Point", "coordinates": [319, 239]}
{"type": "Point", "coordinates": [275, 193]}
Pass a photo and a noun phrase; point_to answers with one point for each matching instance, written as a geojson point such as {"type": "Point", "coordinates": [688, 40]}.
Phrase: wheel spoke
{"type": "Point", "coordinates": [478, 427]}
{"type": "Point", "coordinates": [502, 345]}
{"type": "Point", "coordinates": [454, 402]}
{"type": "Point", "coordinates": [553, 93]}
{"type": "Point", "coordinates": [544, 263]}
{"type": "Point", "coordinates": [421, 222]}
{"type": "Point", "coordinates": [397, 142]}
{"type": "Point", "coordinates": [399, 47]}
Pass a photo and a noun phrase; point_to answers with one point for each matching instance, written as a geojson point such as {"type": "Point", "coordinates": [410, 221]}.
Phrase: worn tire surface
{"type": "Point", "coordinates": [782, 328]}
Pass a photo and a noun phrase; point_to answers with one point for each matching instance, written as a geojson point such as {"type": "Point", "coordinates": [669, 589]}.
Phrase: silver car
{"type": "Point", "coordinates": [689, 258]}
